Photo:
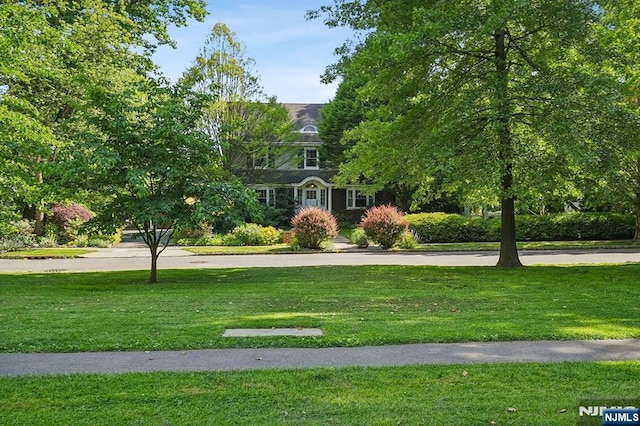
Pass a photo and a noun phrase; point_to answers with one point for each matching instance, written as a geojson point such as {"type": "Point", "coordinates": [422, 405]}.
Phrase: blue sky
{"type": "Point", "coordinates": [290, 52]}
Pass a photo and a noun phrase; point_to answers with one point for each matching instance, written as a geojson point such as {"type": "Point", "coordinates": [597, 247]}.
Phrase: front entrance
{"type": "Point", "coordinates": [314, 196]}
{"type": "Point", "coordinates": [314, 193]}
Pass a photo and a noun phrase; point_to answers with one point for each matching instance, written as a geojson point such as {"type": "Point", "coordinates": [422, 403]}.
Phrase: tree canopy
{"type": "Point", "coordinates": [246, 124]}
{"type": "Point", "coordinates": [497, 98]}
{"type": "Point", "coordinates": [157, 164]}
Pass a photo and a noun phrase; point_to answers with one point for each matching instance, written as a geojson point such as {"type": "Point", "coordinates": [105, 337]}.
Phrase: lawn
{"type": "Point", "coordinates": [44, 253]}
{"type": "Point", "coordinates": [360, 305]}
{"type": "Point", "coordinates": [500, 394]}
{"type": "Point", "coordinates": [353, 306]}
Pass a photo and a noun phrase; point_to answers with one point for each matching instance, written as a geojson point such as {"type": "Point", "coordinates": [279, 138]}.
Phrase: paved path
{"type": "Point", "coordinates": [283, 358]}
{"type": "Point", "coordinates": [137, 258]}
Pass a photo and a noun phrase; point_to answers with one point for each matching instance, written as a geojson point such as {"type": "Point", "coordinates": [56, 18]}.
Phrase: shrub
{"type": "Point", "coordinates": [407, 241]}
{"type": "Point", "coordinates": [441, 227]}
{"type": "Point", "coordinates": [63, 214]}
{"type": "Point", "coordinates": [16, 235]}
{"type": "Point", "coordinates": [314, 227]}
{"type": "Point", "coordinates": [359, 237]}
{"type": "Point", "coordinates": [69, 218]}
{"type": "Point", "coordinates": [384, 225]}
{"type": "Point", "coordinates": [251, 234]}
{"type": "Point", "coordinates": [268, 235]}
{"type": "Point", "coordinates": [191, 232]}
{"type": "Point", "coordinates": [246, 234]}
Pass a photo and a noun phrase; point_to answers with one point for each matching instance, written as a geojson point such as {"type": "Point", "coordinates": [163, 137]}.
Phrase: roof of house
{"type": "Point", "coordinates": [304, 114]}
{"type": "Point", "coordinates": [285, 177]}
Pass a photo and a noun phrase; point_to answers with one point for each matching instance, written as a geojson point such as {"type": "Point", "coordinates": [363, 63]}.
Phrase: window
{"type": "Point", "coordinates": [309, 129]}
{"type": "Point", "coordinates": [311, 158]}
{"type": "Point", "coordinates": [265, 161]}
{"type": "Point", "coordinates": [358, 199]}
{"type": "Point", "coordinates": [266, 196]}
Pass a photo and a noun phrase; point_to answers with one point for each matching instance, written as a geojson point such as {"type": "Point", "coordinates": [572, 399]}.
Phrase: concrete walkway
{"type": "Point", "coordinates": [285, 358]}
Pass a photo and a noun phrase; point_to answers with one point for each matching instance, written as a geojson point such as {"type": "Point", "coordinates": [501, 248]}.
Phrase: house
{"type": "Point", "coordinates": [299, 179]}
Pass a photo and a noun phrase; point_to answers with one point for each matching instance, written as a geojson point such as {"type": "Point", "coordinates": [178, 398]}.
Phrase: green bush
{"type": "Point", "coordinates": [359, 237]}
{"type": "Point", "coordinates": [246, 234]}
{"type": "Point", "coordinates": [268, 236]}
{"type": "Point", "coordinates": [407, 241]}
{"type": "Point", "coordinates": [441, 227]}
{"type": "Point", "coordinates": [16, 235]}
{"type": "Point", "coordinates": [251, 234]}
{"type": "Point", "coordinates": [191, 232]}
{"type": "Point", "coordinates": [314, 227]}
{"type": "Point", "coordinates": [384, 225]}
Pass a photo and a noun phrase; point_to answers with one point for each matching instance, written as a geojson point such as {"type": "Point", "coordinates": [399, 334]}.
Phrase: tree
{"type": "Point", "coordinates": [245, 124]}
{"type": "Point", "coordinates": [492, 96]}
{"type": "Point", "coordinates": [158, 164]}
{"type": "Point", "coordinates": [614, 180]}
{"type": "Point", "coordinates": [51, 54]}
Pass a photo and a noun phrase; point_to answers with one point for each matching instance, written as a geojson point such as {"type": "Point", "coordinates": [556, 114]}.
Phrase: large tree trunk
{"type": "Point", "coordinates": [508, 249]}
{"type": "Point", "coordinates": [636, 209]}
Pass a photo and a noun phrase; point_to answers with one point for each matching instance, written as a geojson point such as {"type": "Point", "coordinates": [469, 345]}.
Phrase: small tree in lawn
{"type": "Point", "coordinates": [384, 225]}
{"type": "Point", "coordinates": [157, 164]}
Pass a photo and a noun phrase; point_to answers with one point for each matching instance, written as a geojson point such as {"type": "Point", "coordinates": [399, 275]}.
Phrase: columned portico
{"type": "Point", "coordinates": [313, 191]}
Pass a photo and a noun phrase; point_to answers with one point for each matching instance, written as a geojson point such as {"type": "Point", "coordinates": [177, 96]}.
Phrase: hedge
{"type": "Point", "coordinates": [442, 227]}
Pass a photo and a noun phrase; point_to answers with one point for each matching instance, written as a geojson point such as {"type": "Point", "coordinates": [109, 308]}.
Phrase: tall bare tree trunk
{"type": "Point", "coordinates": [39, 210]}
{"type": "Point", "coordinates": [508, 249]}
{"type": "Point", "coordinates": [636, 209]}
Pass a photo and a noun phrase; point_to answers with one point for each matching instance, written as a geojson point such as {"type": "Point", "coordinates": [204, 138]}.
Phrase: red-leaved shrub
{"type": "Point", "coordinates": [314, 226]}
{"type": "Point", "coordinates": [384, 225]}
{"type": "Point", "coordinates": [63, 214]}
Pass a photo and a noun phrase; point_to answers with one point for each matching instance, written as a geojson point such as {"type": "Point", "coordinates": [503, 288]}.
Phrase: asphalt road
{"type": "Point", "coordinates": [137, 258]}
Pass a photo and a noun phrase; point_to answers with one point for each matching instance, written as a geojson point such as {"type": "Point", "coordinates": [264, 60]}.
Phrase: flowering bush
{"type": "Point", "coordinates": [314, 227]}
{"type": "Point", "coordinates": [384, 225]}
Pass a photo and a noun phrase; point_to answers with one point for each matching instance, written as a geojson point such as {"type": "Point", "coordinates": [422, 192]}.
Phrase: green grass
{"type": "Point", "coordinates": [212, 250]}
{"type": "Point", "coordinates": [432, 247]}
{"type": "Point", "coordinates": [362, 305]}
{"type": "Point", "coordinates": [53, 253]}
{"type": "Point", "coordinates": [511, 394]}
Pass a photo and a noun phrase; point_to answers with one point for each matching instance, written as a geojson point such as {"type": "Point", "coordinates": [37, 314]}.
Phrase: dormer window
{"type": "Point", "coordinates": [309, 129]}
{"type": "Point", "coordinates": [311, 158]}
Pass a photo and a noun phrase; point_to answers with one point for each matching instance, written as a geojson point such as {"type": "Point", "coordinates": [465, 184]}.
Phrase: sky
{"type": "Point", "coordinates": [291, 53]}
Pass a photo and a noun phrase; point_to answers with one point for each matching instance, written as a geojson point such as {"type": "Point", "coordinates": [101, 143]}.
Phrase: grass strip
{"type": "Point", "coordinates": [431, 247]}
{"type": "Point", "coordinates": [353, 305]}
{"type": "Point", "coordinates": [46, 253]}
{"type": "Point", "coordinates": [502, 394]}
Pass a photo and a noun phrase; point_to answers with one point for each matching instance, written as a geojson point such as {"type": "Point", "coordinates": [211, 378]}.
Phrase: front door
{"type": "Point", "coordinates": [311, 197]}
